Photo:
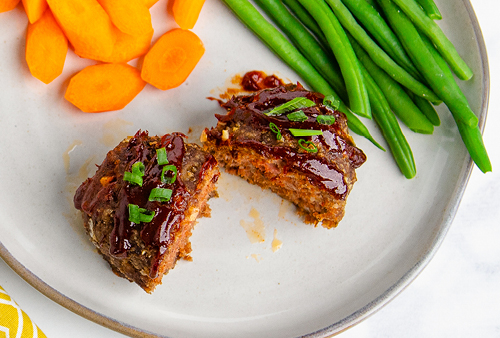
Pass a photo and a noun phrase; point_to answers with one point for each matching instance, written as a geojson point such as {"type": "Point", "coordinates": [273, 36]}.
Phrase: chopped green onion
{"type": "Point", "coordinates": [138, 215]}
{"type": "Point", "coordinates": [325, 119]}
{"type": "Point", "coordinates": [135, 176]}
{"type": "Point", "coordinates": [274, 128]}
{"type": "Point", "coordinates": [161, 156]}
{"type": "Point", "coordinates": [166, 169]}
{"type": "Point", "coordinates": [304, 132]}
{"type": "Point", "coordinates": [303, 143]}
{"type": "Point", "coordinates": [138, 168]}
{"type": "Point", "coordinates": [297, 116]}
{"type": "Point", "coordinates": [332, 102]}
{"type": "Point", "coordinates": [132, 178]}
{"type": "Point", "coordinates": [296, 103]}
{"type": "Point", "coordinates": [160, 194]}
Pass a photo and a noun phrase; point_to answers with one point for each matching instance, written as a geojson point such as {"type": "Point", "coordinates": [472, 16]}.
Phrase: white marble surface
{"type": "Point", "coordinates": [457, 294]}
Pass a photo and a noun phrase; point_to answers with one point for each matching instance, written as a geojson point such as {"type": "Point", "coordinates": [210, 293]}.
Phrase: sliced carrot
{"type": "Point", "coordinates": [186, 12]}
{"type": "Point", "coordinates": [7, 5]}
{"type": "Point", "coordinates": [104, 87]}
{"type": "Point", "coordinates": [128, 47]}
{"type": "Point", "coordinates": [34, 9]}
{"type": "Point", "coordinates": [46, 48]}
{"type": "Point", "coordinates": [86, 25]}
{"type": "Point", "coordinates": [172, 58]}
{"type": "Point", "coordinates": [130, 16]}
{"type": "Point", "coordinates": [150, 3]}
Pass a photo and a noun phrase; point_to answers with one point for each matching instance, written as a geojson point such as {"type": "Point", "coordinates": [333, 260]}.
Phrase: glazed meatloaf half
{"type": "Point", "coordinates": [287, 140]}
{"type": "Point", "coordinates": [142, 203]}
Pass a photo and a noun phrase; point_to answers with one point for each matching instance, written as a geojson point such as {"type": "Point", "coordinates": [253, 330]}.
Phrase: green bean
{"type": "Point", "coordinates": [252, 18]}
{"type": "Point", "coordinates": [349, 65]}
{"type": "Point", "coordinates": [426, 108]}
{"type": "Point", "coordinates": [307, 20]}
{"type": "Point", "coordinates": [426, 62]}
{"type": "Point", "coordinates": [390, 128]}
{"type": "Point", "coordinates": [400, 103]}
{"type": "Point", "coordinates": [377, 54]}
{"type": "Point", "coordinates": [473, 140]}
{"type": "Point", "coordinates": [471, 135]}
{"type": "Point", "coordinates": [355, 124]}
{"type": "Point", "coordinates": [368, 16]}
{"type": "Point", "coordinates": [437, 66]}
{"type": "Point", "coordinates": [430, 9]}
{"type": "Point", "coordinates": [374, 4]}
{"type": "Point", "coordinates": [305, 43]}
{"type": "Point", "coordinates": [437, 36]}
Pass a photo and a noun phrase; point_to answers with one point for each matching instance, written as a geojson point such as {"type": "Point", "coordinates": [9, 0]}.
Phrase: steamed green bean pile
{"type": "Point", "coordinates": [383, 59]}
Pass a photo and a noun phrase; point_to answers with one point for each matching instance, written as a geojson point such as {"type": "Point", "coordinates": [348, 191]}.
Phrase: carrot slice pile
{"type": "Point", "coordinates": [111, 32]}
{"type": "Point", "coordinates": [172, 58]}
{"type": "Point", "coordinates": [34, 9]}
{"type": "Point", "coordinates": [86, 25]}
{"type": "Point", "coordinates": [7, 5]}
{"type": "Point", "coordinates": [129, 16]}
{"type": "Point", "coordinates": [104, 87]}
{"type": "Point", "coordinates": [186, 12]}
{"type": "Point", "coordinates": [46, 48]}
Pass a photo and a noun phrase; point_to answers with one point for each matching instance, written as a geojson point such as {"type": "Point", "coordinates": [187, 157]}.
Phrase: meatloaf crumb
{"type": "Point", "coordinates": [316, 172]}
{"type": "Point", "coordinates": [142, 251]}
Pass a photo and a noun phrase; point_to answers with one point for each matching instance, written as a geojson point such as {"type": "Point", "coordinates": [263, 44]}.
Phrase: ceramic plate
{"type": "Point", "coordinates": [317, 283]}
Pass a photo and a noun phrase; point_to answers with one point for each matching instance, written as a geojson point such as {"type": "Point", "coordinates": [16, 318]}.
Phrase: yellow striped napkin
{"type": "Point", "coordinates": [14, 322]}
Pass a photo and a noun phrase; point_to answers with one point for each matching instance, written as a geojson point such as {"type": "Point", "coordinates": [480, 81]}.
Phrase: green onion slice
{"type": "Point", "coordinates": [160, 194]}
{"type": "Point", "coordinates": [296, 103]}
{"type": "Point", "coordinates": [135, 177]}
{"type": "Point", "coordinates": [161, 156]}
{"type": "Point", "coordinates": [274, 128]}
{"type": "Point", "coordinates": [138, 215]}
{"type": "Point", "coordinates": [331, 102]}
{"type": "Point", "coordinates": [297, 116]}
{"type": "Point", "coordinates": [306, 146]}
{"type": "Point", "coordinates": [325, 119]}
{"type": "Point", "coordinates": [166, 169]}
{"type": "Point", "coordinates": [132, 178]}
{"type": "Point", "coordinates": [305, 132]}
{"type": "Point", "coordinates": [138, 168]}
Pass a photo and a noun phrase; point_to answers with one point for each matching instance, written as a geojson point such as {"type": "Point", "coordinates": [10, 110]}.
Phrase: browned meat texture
{"type": "Point", "coordinates": [143, 251]}
{"type": "Point", "coordinates": [316, 177]}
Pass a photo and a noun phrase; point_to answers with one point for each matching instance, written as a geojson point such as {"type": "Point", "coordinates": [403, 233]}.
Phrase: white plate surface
{"type": "Point", "coordinates": [318, 283]}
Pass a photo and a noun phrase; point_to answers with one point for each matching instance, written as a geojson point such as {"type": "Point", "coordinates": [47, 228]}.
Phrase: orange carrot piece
{"type": "Point", "coordinates": [86, 25]}
{"type": "Point", "coordinates": [104, 87]}
{"type": "Point", "coordinates": [150, 3]}
{"type": "Point", "coordinates": [34, 9]}
{"type": "Point", "coordinates": [7, 5]}
{"type": "Point", "coordinates": [172, 58]}
{"type": "Point", "coordinates": [186, 12]}
{"type": "Point", "coordinates": [128, 47]}
{"type": "Point", "coordinates": [46, 48]}
{"type": "Point", "coordinates": [130, 16]}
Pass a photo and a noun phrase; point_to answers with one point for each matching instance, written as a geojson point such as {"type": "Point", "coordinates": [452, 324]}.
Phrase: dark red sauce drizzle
{"type": "Point", "coordinates": [250, 110]}
{"type": "Point", "coordinates": [257, 80]}
{"type": "Point", "coordinates": [156, 233]}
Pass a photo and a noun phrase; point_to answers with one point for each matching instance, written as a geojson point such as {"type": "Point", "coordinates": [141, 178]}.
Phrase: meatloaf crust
{"type": "Point", "coordinates": [316, 172]}
{"type": "Point", "coordinates": [144, 250]}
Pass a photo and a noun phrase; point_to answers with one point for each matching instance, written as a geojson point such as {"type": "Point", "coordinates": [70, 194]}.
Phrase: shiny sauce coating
{"type": "Point", "coordinates": [321, 171]}
{"type": "Point", "coordinates": [91, 196]}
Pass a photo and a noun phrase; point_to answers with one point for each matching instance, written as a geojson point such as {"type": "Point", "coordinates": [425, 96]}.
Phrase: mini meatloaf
{"type": "Point", "coordinates": [142, 203]}
{"type": "Point", "coordinates": [255, 141]}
